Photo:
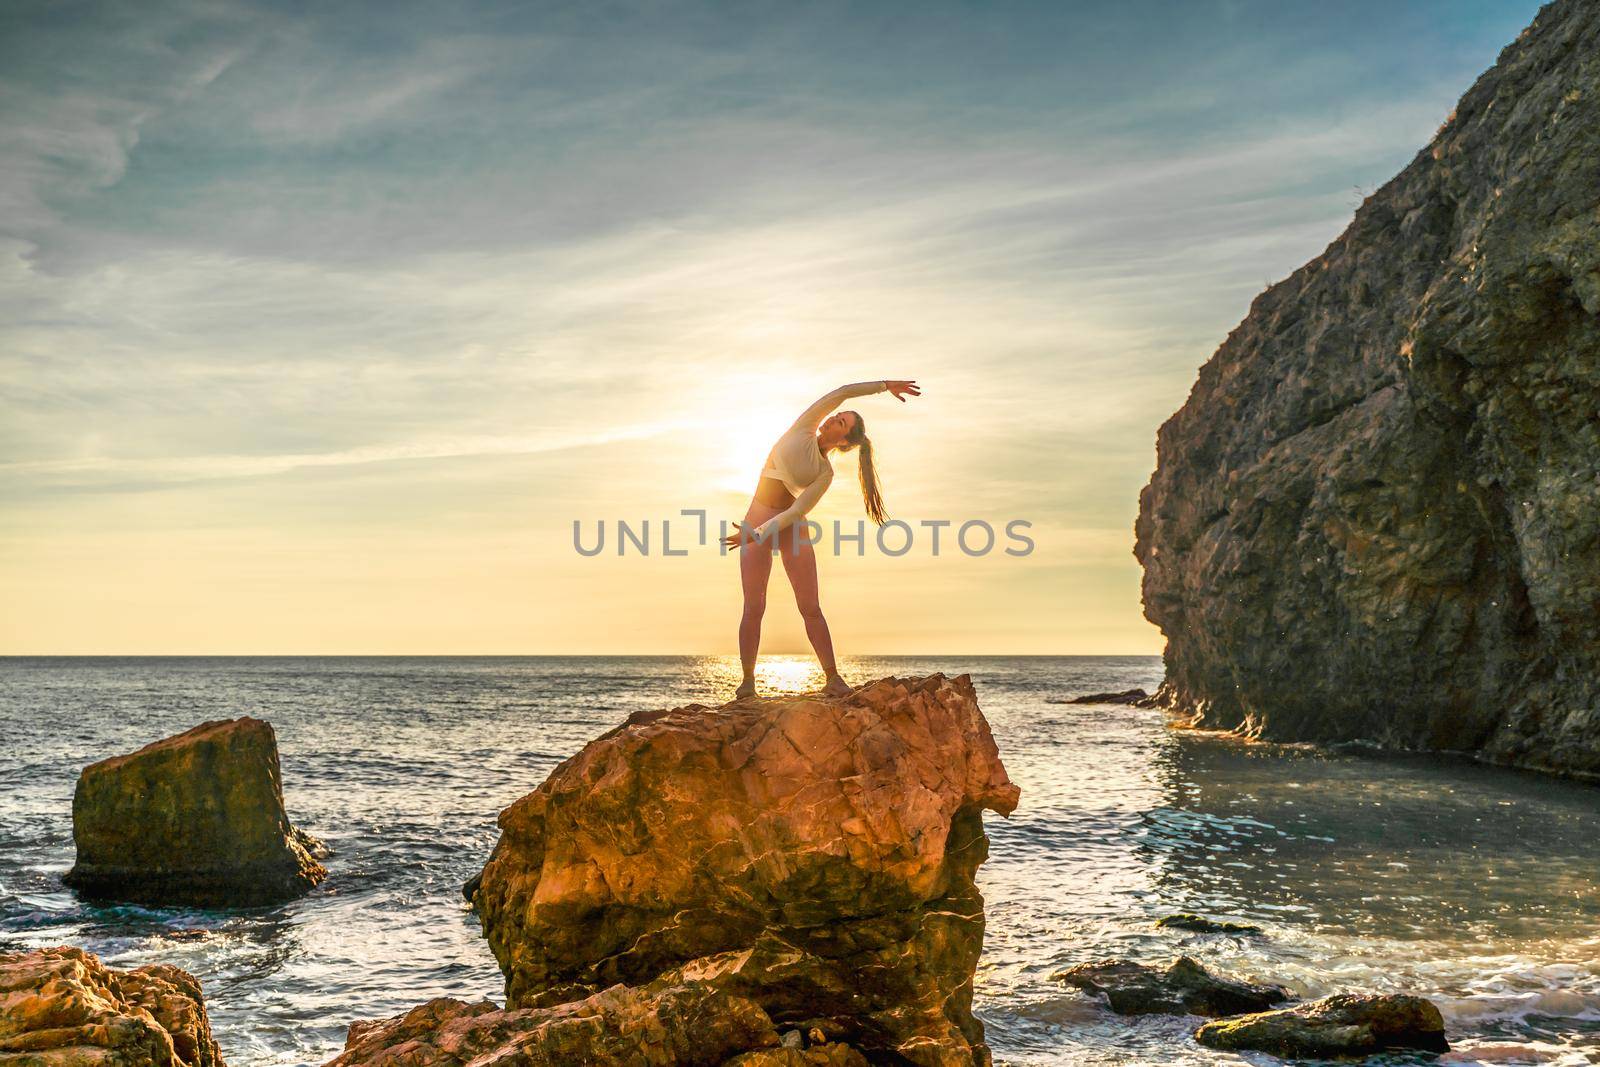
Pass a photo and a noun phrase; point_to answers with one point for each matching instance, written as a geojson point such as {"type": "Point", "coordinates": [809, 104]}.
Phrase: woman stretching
{"type": "Point", "coordinates": [796, 475]}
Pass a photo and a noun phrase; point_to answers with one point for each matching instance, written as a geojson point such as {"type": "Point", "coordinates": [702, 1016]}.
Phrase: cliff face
{"type": "Point", "coordinates": [812, 856]}
{"type": "Point", "coordinates": [1378, 514]}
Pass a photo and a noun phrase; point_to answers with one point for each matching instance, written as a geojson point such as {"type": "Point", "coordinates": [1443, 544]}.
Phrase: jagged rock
{"type": "Point", "coordinates": [1134, 697]}
{"type": "Point", "coordinates": [813, 855]}
{"type": "Point", "coordinates": [1184, 988]}
{"type": "Point", "coordinates": [193, 819]}
{"type": "Point", "coordinates": [1201, 925]}
{"type": "Point", "coordinates": [654, 1026]}
{"type": "Point", "coordinates": [1348, 1024]}
{"type": "Point", "coordinates": [61, 1007]}
{"type": "Point", "coordinates": [1376, 515]}
{"type": "Point", "coordinates": [830, 1055]}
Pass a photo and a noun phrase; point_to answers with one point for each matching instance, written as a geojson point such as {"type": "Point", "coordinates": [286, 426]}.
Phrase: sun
{"type": "Point", "coordinates": [745, 434]}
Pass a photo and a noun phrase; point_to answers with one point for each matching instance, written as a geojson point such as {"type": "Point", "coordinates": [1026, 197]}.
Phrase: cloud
{"type": "Point", "coordinates": [115, 473]}
{"type": "Point", "coordinates": [319, 112]}
{"type": "Point", "coordinates": [1021, 270]}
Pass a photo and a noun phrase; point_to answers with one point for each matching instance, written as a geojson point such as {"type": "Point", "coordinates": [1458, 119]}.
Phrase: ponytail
{"type": "Point", "coordinates": [870, 493]}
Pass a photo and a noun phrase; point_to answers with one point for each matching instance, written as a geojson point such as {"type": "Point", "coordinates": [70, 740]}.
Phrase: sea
{"type": "Point", "coordinates": [1476, 887]}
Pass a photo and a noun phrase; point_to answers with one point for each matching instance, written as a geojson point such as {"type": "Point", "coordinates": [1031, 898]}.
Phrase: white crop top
{"type": "Point", "coordinates": [797, 462]}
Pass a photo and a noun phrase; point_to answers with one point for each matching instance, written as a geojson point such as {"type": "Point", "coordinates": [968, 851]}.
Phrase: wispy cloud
{"type": "Point", "coordinates": [113, 472]}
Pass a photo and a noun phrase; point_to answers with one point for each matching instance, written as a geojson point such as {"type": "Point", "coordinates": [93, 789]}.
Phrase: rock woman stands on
{"type": "Point", "coordinates": [796, 475]}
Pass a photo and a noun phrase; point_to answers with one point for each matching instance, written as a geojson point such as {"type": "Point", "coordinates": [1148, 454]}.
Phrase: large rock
{"type": "Point", "coordinates": [813, 855]}
{"type": "Point", "coordinates": [1347, 1024]}
{"type": "Point", "coordinates": [1378, 514]}
{"type": "Point", "coordinates": [194, 819]}
{"type": "Point", "coordinates": [61, 1007]}
{"type": "Point", "coordinates": [1183, 988]}
{"type": "Point", "coordinates": [661, 1025]}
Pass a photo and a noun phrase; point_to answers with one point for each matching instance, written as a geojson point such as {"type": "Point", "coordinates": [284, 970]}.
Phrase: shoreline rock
{"type": "Point", "coordinates": [1346, 1024]}
{"type": "Point", "coordinates": [662, 1025]}
{"type": "Point", "coordinates": [1183, 988]}
{"type": "Point", "coordinates": [1374, 517]}
{"type": "Point", "coordinates": [64, 1008]}
{"type": "Point", "coordinates": [814, 856]}
{"type": "Point", "coordinates": [193, 819]}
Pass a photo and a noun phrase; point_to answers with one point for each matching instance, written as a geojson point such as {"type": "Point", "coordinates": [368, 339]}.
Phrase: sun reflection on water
{"type": "Point", "coordinates": [775, 675]}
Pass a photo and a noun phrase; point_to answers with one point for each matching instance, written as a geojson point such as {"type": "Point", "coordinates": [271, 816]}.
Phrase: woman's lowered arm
{"type": "Point", "coordinates": [770, 529]}
{"type": "Point", "coordinates": [813, 416]}
{"type": "Point", "coordinates": [802, 504]}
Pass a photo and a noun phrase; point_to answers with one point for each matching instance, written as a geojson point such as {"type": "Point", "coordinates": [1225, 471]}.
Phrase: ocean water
{"type": "Point", "coordinates": [1479, 888]}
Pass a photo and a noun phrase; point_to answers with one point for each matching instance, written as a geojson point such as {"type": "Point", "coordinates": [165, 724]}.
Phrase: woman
{"type": "Point", "coordinates": [796, 475]}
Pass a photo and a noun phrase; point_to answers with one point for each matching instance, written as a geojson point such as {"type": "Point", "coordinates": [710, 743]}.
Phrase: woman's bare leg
{"type": "Point", "coordinates": [755, 566]}
{"type": "Point", "coordinates": [800, 563]}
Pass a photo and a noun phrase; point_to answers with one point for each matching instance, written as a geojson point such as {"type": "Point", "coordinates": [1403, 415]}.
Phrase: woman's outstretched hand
{"type": "Point", "coordinates": [742, 535]}
{"type": "Point", "coordinates": [901, 390]}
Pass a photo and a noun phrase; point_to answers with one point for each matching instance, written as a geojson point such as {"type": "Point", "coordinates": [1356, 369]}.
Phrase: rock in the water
{"type": "Point", "coordinates": [656, 1026]}
{"type": "Point", "coordinates": [1376, 515]}
{"type": "Point", "coordinates": [1184, 988]}
{"type": "Point", "coordinates": [1135, 697]}
{"type": "Point", "coordinates": [61, 1007]}
{"type": "Point", "coordinates": [813, 855]}
{"type": "Point", "coordinates": [1201, 925]}
{"type": "Point", "coordinates": [194, 819]}
{"type": "Point", "coordinates": [1347, 1024]}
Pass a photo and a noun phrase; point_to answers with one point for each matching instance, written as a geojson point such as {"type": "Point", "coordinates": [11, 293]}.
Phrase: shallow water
{"type": "Point", "coordinates": [1473, 886]}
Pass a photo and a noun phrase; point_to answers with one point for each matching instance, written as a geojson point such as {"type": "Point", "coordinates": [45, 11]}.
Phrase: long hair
{"type": "Point", "coordinates": [871, 495]}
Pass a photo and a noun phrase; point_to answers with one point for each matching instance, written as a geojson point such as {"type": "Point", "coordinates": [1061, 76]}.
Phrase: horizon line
{"type": "Point", "coordinates": [552, 655]}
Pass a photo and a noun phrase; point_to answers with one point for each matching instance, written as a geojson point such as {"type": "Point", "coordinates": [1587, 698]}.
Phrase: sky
{"type": "Point", "coordinates": [321, 325]}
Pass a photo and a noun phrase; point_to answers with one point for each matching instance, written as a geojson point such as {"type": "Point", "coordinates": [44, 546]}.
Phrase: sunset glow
{"type": "Point", "coordinates": [320, 341]}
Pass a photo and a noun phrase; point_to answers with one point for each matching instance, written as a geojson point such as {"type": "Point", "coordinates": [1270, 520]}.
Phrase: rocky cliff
{"type": "Point", "coordinates": [814, 857]}
{"type": "Point", "coordinates": [1378, 514]}
{"type": "Point", "coordinates": [196, 818]}
{"type": "Point", "coordinates": [61, 1007]}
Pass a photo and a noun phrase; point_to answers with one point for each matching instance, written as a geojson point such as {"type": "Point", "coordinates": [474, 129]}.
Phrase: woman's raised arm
{"type": "Point", "coordinates": [813, 415]}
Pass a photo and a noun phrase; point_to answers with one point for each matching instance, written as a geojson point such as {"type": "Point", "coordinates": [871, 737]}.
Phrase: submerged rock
{"type": "Point", "coordinates": [61, 1007]}
{"type": "Point", "coordinates": [1201, 925]}
{"type": "Point", "coordinates": [659, 1026]}
{"type": "Point", "coordinates": [193, 819]}
{"type": "Point", "coordinates": [1347, 1024]}
{"type": "Point", "coordinates": [1375, 516]}
{"type": "Point", "coordinates": [1135, 697]}
{"type": "Point", "coordinates": [813, 855]}
{"type": "Point", "coordinates": [1184, 988]}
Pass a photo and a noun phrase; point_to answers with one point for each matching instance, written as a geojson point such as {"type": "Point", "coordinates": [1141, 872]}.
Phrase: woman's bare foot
{"type": "Point", "coordinates": [747, 688]}
{"type": "Point", "coordinates": [837, 687]}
